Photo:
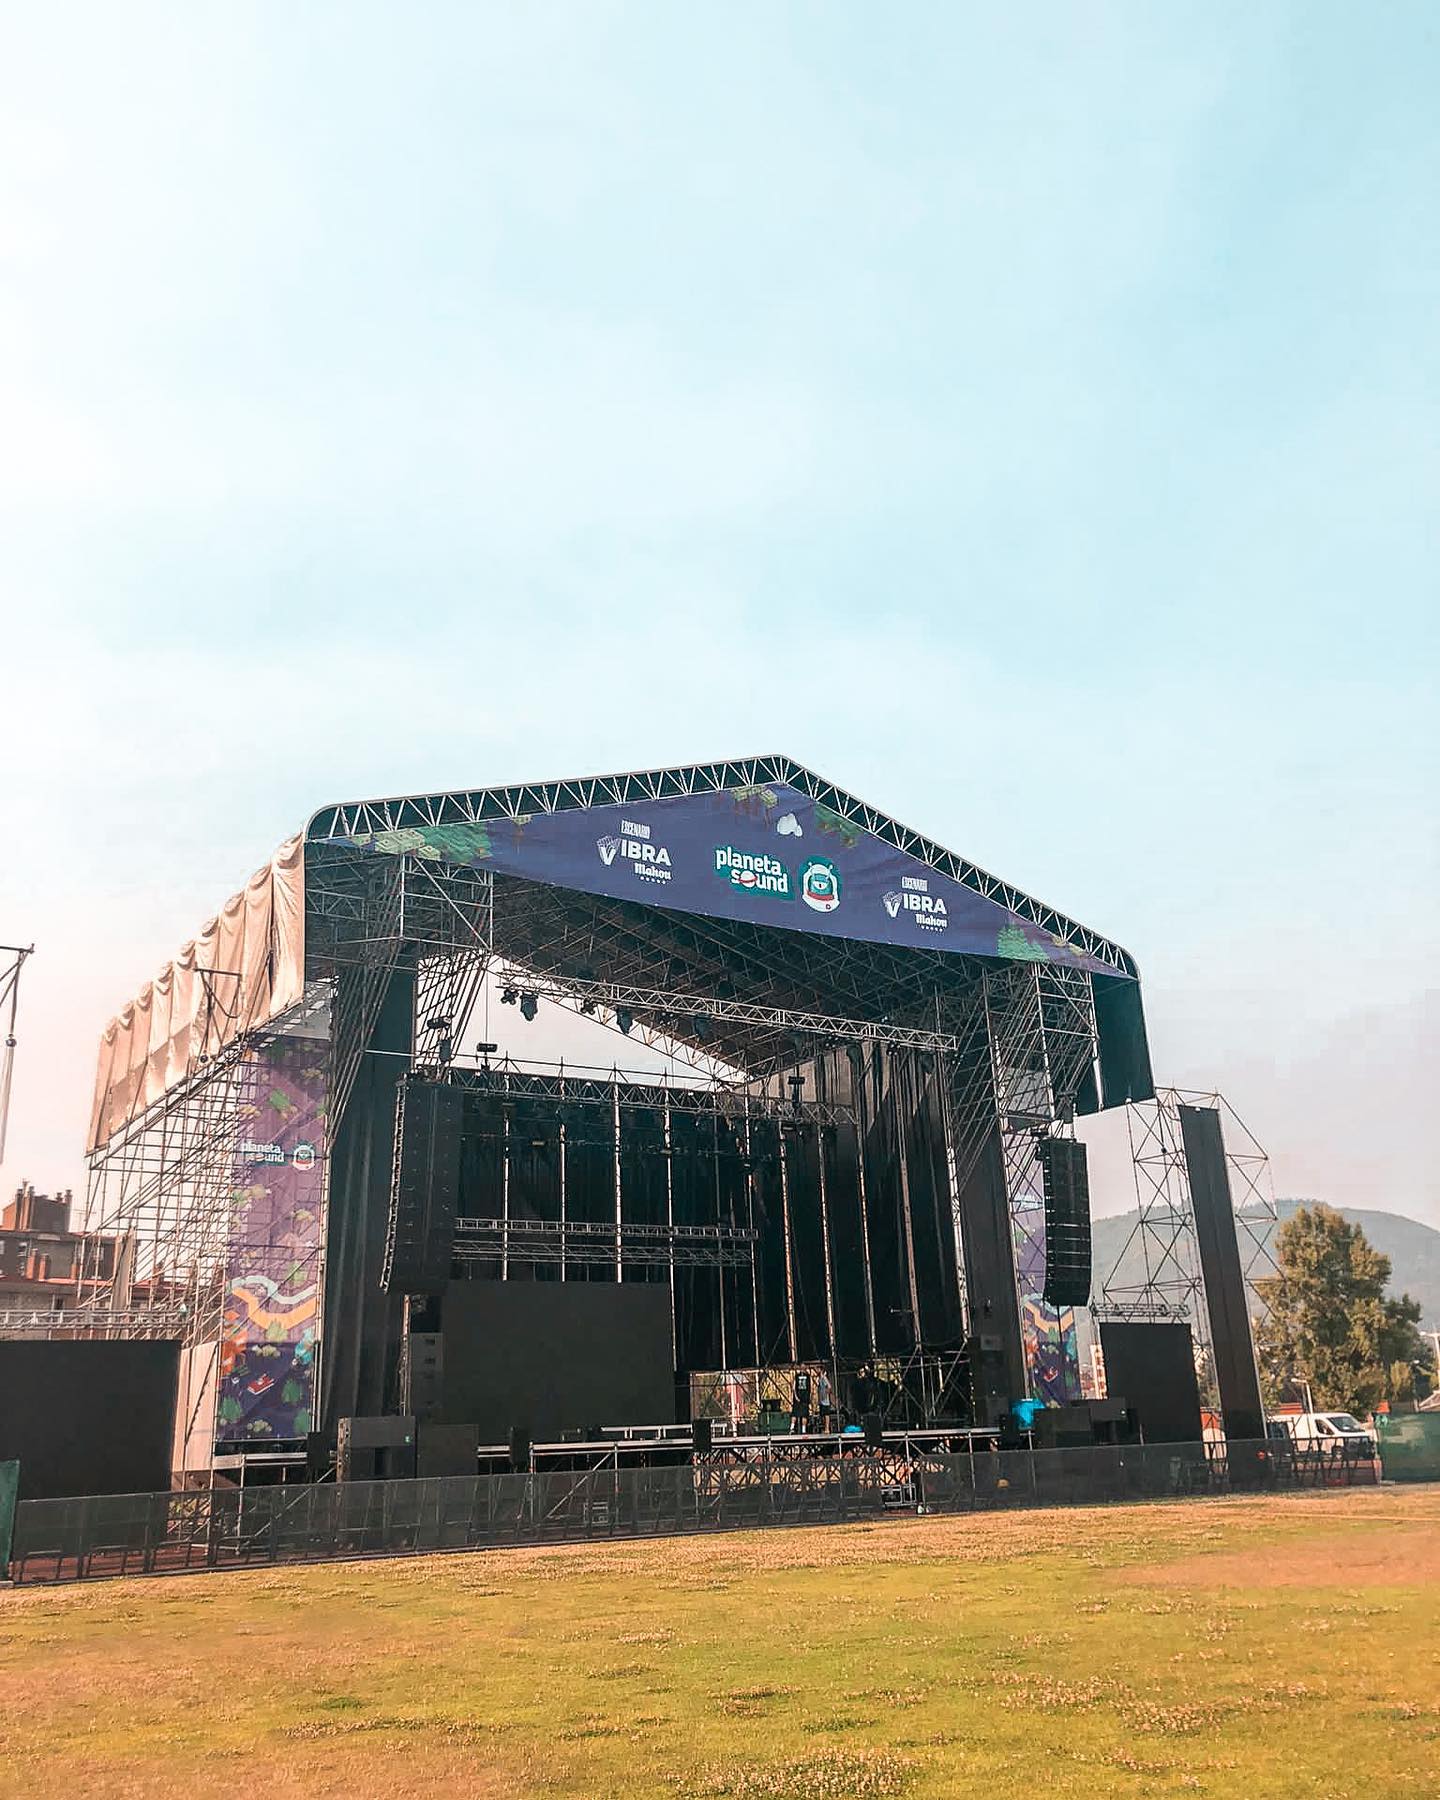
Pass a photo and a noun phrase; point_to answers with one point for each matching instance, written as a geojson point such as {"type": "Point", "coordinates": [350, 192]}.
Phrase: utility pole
{"type": "Point", "coordinates": [9, 994]}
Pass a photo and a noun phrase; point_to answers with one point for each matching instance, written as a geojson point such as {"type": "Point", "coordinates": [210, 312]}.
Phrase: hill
{"type": "Point", "coordinates": [1413, 1249]}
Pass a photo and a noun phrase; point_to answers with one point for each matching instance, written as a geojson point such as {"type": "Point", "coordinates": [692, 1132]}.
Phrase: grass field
{"type": "Point", "coordinates": [1235, 1647]}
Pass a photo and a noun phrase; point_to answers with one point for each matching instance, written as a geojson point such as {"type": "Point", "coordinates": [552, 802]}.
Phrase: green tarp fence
{"type": "Point", "coordinates": [1409, 1446]}
{"type": "Point", "coordinates": [9, 1490]}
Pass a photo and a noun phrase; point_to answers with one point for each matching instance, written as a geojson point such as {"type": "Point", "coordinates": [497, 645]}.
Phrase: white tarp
{"type": "Point", "coordinates": [245, 968]}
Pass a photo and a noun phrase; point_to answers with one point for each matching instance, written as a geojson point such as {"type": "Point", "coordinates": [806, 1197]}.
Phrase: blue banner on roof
{"type": "Point", "coordinates": [770, 855]}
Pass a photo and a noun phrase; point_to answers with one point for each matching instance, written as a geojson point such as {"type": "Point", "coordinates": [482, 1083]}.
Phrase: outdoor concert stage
{"type": "Point", "coordinates": [834, 1163]}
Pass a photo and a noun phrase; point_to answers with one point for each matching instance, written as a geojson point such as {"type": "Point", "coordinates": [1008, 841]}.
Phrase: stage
{"type": "Point", "coordinates": [842, 1185]}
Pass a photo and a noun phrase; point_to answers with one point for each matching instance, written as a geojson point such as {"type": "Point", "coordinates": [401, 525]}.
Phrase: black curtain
{"type": "Point", "coordinates": [768, 1201]}
{"type": "Point", "coordinates": [697, 1290]}
{"type": "Point", "coordinates": [359, 1353]}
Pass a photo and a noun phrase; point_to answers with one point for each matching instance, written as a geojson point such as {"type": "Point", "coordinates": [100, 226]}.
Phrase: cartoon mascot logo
{"type": "Point", "coordinates": [820, 885]}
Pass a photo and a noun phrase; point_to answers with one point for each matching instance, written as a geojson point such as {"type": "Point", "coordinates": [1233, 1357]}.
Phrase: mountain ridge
{"type": "Point", "coordinates": [1413, 1249]}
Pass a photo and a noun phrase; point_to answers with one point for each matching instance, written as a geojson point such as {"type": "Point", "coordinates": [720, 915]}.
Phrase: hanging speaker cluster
{"type": "Point", "coordinates": [1067, 1222]}
{"type": "Point", "coordinates": [424, 1187]}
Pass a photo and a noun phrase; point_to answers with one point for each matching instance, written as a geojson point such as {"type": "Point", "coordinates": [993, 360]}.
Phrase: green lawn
{"type": "Point", "coordinates": [1238, 1647]}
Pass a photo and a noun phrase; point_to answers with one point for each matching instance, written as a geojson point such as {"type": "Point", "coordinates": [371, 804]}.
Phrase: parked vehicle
{"type": "Point", "coordinates": [1337, 1433]}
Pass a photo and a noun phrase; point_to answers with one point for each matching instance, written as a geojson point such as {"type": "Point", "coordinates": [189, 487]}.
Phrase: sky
{"type": "Point", "coordinates": [1027, 420]}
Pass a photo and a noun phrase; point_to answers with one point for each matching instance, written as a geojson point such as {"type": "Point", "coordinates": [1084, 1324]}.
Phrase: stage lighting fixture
{"type": "Point", "coordinates": [529, 1006]}
{"type": "Point", "coordinates": [625, 1019]}
{"type": "Point", "coordinates": [486, 1049]}
{"type": "Point", "coordinates": [438, 1023]}
{"type": "Point", "coordinates": [587, 1007]}
{"type": "Point", "coordinates": [508, 996]}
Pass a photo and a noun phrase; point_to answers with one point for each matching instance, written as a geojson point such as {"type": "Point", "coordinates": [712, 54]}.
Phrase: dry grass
{"type": "Point", "coordinates": [1241, 1647]}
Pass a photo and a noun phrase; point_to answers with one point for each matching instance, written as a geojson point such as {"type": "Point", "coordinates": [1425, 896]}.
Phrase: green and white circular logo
{"type": "Point", "coordinates": [820, 884]}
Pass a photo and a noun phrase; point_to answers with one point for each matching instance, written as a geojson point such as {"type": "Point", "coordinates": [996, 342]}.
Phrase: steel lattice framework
{"type": "Point", "coordinates": [1162, 1242]}
{"type": "Point", "coordinates": [473, 806]}
{"type": "Point", "coordinates": [567, 1241]}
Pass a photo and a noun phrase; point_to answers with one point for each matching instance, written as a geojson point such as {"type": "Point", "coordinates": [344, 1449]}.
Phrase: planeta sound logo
{"type": "Point", "coordinates": [752, 873]}
{"type": "Point", "coordinates": [820, 884]}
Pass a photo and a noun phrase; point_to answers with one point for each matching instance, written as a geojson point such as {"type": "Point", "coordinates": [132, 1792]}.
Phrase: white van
{"type": "Point", "coordinates": [1337, 1431]}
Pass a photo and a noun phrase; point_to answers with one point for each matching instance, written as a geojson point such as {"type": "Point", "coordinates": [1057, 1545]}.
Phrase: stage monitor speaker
{"type": "Point", "coordinates": [1225, 1298]}
{"type": "Point", "coordinates": [1067, 1222]}
{"type": "Point", "coordinates": [424, 1187]}
{"type": "Point", "coordinates": [702, 1436]}
{"type": "Point", "coordinates": [519, 1447]}
{"type": "Point", "coordinates": [874, 1431]}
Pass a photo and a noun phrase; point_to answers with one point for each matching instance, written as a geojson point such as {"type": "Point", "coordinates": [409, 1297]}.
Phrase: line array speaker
{"type": "Point", "coordinates": [1067, 1222]}
{"type": "Point", "coordinates": [423, 1188]}
{"type": "Point", "coordinates": [1203, 1141]}
{"type": "Point", "coordinates": [422, 1373]}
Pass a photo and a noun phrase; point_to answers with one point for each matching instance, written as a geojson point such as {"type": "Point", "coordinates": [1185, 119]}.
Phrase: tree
{"type": "Point", "coordinates": [1330, 1321]}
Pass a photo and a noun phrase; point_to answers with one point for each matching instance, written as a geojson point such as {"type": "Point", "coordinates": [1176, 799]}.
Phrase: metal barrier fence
{"type": "Point", "coordinates": [131, 1534]}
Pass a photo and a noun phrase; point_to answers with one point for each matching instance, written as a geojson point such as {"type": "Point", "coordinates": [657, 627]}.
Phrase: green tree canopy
{"type": "Point", "coordinates": [1330, 1321]}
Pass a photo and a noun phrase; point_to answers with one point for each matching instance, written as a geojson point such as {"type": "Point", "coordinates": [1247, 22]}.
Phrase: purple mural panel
{"type": "Point", "coordinates": [272, 1294]}
{"type": "Point", "coordinates": [1052, 1345]}
{"type": "Point", "coordinates": [767, 854]}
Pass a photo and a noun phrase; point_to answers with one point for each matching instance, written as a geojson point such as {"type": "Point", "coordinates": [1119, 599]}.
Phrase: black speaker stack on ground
{"type": "Point", "coordinates": [375, 1449]}
{"type": "Point", "coordinates": [391, 1448]}
{"type": "Point", "coordinates": [1066, 1181]}
{"type": "Point", "coordinates": [446, 1449]}
{"type": "Point", "coordinates": [989, 1385]}
{"type": "Point", "coordinates": [423, 1188]}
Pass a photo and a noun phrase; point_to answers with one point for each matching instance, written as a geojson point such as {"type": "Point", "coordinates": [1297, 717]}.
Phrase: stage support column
{"type": "Point", "coordinates": [361, 1325]}
{"type": "Point", "coordinates": [1225, 1298]}
{"type": "Point", "coordinates": [997, 1349]}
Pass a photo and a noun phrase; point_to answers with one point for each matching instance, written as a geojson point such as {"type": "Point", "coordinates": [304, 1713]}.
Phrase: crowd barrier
{"type": "Point", "coordinates": [224, 1528]}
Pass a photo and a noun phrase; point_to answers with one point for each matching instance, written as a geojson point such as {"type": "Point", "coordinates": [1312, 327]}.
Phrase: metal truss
{"type": "Point", "coordinates": [566, 935]}
{"type": "Point", "coordinates": [162, 1190]}
{"type": "Point", "coordinates": [85, 1322]}
{"type": "Point", "coordinates": [571, 1241]}
{"type": "Point", "coordinates": [475, 805]}
{"type": "Point", "coordinates": [662, 1004]}
{"type": "Point", "coordinates": [910, 1388]}
{"type": "Point", "coordinates": [364, 916]}
{"type": "Point", "coordinates": [163, 1187]}
{"type": "Point", "coordinates": [1023, 1055]}
{"type": "Point", "coordinates": [732, 1105]}
{"type": "Point", "coordinates": [1163, 1236]}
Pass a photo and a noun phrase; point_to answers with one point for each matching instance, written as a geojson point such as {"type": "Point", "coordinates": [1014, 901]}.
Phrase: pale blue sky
{"type": "Point", "coordinates": [1030, 422]}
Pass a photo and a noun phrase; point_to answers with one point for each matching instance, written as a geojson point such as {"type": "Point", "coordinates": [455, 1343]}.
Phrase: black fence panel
{"type": "Point", "coordinates": [145, 1534]}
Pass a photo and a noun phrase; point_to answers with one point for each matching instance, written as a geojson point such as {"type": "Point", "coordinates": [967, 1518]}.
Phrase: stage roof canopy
{"type": "Point", "coordinates": [755, 882]}
{"type": "Point", "coordinates": [762, 841]}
